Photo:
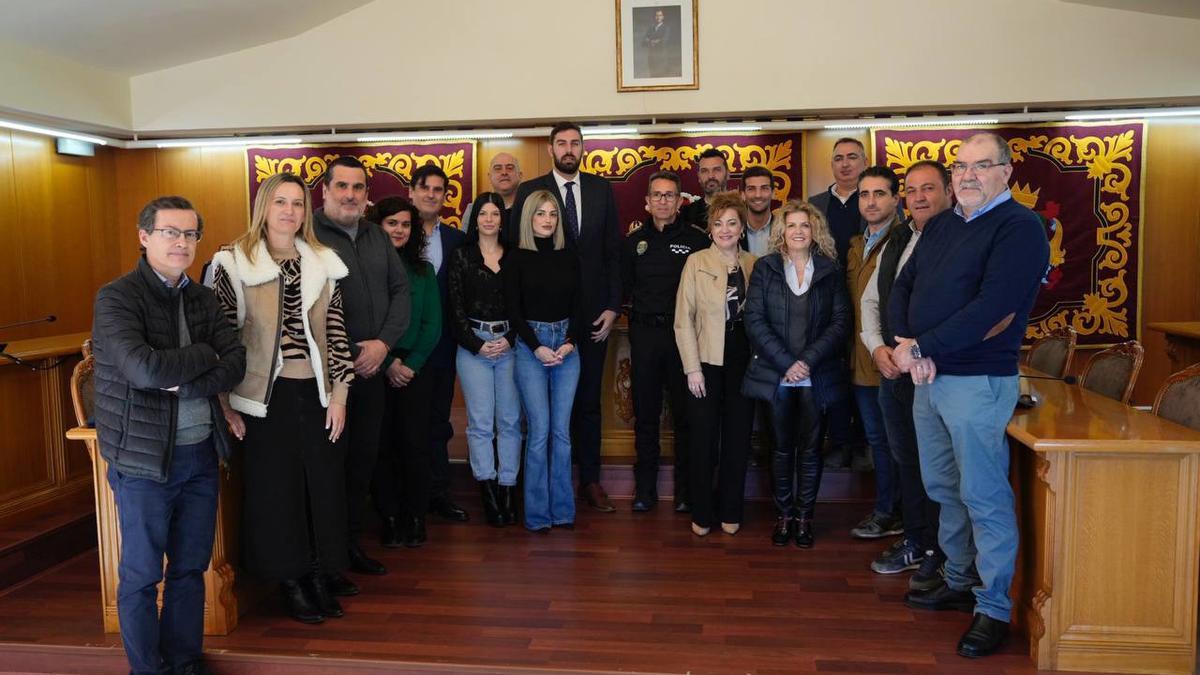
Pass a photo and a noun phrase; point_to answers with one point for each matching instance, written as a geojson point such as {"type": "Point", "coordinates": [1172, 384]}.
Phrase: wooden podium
{"type": "Point", "coordinates": [1107, 502]}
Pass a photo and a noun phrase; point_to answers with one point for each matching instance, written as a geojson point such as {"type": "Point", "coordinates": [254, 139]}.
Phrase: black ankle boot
{"type": "Point", "coordinates": [362, 564]}
{"type": "Point", "coordinates": [315, 588]}
{"type": "Point", "coordinates": [508, 504]}
{"type": "Point", "coordinates": [299, 605]}
{"type": "Point", "coordinates": [390, 537]}
{"type": "Point", "coordinates": [785, 529]}
{"type": "Point", "coordinates": [491, 509]}
{"type": "Point", "coordinates": [804, 533]}
{"type": "Point", "coordinates": [414, 531]}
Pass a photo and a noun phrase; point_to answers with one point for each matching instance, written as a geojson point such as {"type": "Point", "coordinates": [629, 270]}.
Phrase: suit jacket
{"type": "Point", "coordinates": [444, 353]}
{"type": "Point", "coordinates": [599, 241]}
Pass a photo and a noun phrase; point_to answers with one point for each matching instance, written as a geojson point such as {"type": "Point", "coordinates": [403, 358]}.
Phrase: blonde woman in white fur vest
{"type": "Point", "coordinates": [279, 287]}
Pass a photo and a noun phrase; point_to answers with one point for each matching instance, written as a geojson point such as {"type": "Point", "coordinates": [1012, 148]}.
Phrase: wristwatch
{"type": "Point", "coordinates": [915, 350]}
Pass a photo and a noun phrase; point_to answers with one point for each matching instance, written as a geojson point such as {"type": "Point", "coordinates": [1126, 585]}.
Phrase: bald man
{"type": "Point", "coordinates": [504, 173]}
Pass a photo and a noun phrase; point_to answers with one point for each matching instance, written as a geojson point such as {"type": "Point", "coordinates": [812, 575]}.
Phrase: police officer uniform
{"type": "Point", "coordinates": [651, 264]}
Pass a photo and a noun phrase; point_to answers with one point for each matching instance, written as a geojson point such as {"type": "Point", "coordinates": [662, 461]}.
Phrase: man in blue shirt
{"type": "Point", "coordinates": [959, 309]}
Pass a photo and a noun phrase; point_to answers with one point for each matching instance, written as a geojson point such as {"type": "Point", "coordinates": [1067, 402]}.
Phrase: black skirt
{"type": "Point", "coordinates": [294, 487]}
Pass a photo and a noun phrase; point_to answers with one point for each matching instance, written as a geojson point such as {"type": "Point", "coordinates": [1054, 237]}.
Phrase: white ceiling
{"type": "Point", "coordinates": [140, 36]}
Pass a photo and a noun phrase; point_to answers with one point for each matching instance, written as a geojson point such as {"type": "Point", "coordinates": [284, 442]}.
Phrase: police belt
{"type": "Point", "coordinates": [652, 320]}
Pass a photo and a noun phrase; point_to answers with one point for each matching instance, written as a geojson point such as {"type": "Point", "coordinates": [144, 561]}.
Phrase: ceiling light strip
{"type": "Point", "coordinates": [218, 142]}
{"type": "Point", "coordinates": [57, 133]}
{"type": "Point", "coordinates": [439, 136]}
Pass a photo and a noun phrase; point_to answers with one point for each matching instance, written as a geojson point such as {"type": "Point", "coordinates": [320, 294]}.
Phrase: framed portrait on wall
{"type": "Point", "coordinates": [657, 45]}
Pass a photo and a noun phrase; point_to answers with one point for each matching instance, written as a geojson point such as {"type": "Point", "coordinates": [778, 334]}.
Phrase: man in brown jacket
{"type": "Point", "coordinates": [878, 197]}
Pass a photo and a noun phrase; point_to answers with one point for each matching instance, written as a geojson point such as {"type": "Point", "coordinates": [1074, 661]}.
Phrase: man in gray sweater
{"type": "Point", "coordinates": [376, 303]}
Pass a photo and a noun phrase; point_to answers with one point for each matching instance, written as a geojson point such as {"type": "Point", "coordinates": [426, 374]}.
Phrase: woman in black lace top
{"type": "Point", "coordinates": [485, 359]}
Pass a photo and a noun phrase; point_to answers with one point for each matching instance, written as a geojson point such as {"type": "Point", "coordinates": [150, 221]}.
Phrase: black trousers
{"type": "Point", "coordinates": [655, 365]}
{"type": "Point", "coordinates": [796, 460]}
{"type": "Point", "coordinates": [585, 415]}
{"type": "Point", "coordinates": [294, 504]}
{"type": "Point", "coordinates": [401, 485]}
{"type": "Point", "coordinates": [721, 422]}
{"type": "Point", "coordinates": [364, 419]}
{"type": "Point", "coordinates": [441, 391]}
{"type": "Point", "coordinates": [918, 512]}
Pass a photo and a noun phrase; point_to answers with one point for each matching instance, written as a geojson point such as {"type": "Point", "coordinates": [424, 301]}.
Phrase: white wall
{"type": "Point", "coordinates": [43, 84]}
{"type": "Point", "coordinates": [409, 63]}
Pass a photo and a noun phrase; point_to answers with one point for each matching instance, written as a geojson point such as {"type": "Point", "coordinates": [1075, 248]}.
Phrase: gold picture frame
{"type": "Point", "coordinates": [654, 38]}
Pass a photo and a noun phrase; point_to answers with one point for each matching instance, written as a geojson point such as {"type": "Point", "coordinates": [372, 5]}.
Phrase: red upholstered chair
{"type": "Point", "coordinates": [1114, 371]}
{"type": "Point", "coordinates": [1179, 398]}
{"type": "Point", "coordinates": [1052, 354]}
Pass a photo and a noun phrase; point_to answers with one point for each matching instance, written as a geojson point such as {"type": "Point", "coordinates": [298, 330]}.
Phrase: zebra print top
{"type": "Point", "coordinates": [293, 344]}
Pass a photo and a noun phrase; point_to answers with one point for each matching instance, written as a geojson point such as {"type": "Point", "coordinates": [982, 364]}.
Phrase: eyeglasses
{"type": "Point", "coordinates": [172, 234]}
{"type": "Point", "coordinates": [663, 196]}
{"type": "Point", "coordinates": [979, 167]}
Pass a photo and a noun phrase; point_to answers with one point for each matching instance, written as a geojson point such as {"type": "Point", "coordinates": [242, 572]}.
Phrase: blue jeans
{"type": "Point", "coordinates": [177, 519]}
{"type": "Point", "coordinates": [887, 496]}
{"type": "Point", "coordinates": [960, 425]}
{"type": "Point", "coordinates": [547, 395]}
{"type": "Point", "coordinates": [493, 411]}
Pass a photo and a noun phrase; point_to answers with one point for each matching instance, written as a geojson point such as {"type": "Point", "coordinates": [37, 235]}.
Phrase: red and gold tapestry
{"type": "Point", "coordinates": [1085, 180]}
{"type": "Point", "coordinates": [627, 162]}
{"type": "Point", "coordinates": [389, 169]}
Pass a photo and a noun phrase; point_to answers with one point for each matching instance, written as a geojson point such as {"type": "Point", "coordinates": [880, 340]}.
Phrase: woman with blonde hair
{"type": "Point", "coordinates": [710, 331]}
{"type": "Point", "coordinates": [798, 318]}
{"type": "Point", "coordinates": [279, 287]}
{"type": "Point", "coordinates": [542, 293]}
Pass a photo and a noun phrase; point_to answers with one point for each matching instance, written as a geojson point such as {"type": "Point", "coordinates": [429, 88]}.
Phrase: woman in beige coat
{"type": "Point", "coordinates": [712, 343]}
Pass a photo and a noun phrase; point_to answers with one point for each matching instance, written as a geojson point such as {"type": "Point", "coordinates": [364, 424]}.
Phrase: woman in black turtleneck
{"type": "Point", "coordinates": [541, 284]}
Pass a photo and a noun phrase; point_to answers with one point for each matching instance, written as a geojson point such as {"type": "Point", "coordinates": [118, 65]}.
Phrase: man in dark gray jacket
{"type": "Point", "coordinates": [376, 303]}
{"type": "Point", "coordinates": [163, 351]}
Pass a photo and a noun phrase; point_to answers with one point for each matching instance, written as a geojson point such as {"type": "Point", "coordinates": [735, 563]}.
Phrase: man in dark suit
{"type": "Point", "coordinates": [427, 191]}
{"type": "Point", "coordinates": [656, 40]}
{"type": "Point", "coordinates": [589, 211]}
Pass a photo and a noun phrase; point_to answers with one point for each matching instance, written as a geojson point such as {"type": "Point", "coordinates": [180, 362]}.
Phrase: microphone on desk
{"type": "Point", "coordinates": [49, 318]}
{"type": "Point", "coordinates": [1029, 399]}
{"type": "Point", "coordinates": [1068, 379]}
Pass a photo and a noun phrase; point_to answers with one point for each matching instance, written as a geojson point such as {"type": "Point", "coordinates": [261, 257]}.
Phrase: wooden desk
{"type": "Point", "coordinates": [1183, 342]}
{"type": "Point", "coordinates": [1107, 500]}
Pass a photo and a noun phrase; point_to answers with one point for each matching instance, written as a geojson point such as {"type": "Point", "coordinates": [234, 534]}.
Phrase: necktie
{"type": "Point", "coordinates": [571, 217]}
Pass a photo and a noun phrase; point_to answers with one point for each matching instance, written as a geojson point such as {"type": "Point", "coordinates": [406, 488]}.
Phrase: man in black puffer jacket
{"type": "Point", "coordinates": [163, 351]}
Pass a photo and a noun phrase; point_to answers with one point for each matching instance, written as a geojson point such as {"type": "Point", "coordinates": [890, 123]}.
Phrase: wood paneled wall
{"type": "Point", "coordinates": [69, 223]}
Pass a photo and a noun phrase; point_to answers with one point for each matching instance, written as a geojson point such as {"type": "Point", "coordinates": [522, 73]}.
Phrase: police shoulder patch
{"type": "Point", "coordinates": [634, 227]}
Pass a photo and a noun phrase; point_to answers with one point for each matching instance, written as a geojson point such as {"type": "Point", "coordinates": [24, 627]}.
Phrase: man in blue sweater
{"type": "Point", "coordinates": [959, 309]}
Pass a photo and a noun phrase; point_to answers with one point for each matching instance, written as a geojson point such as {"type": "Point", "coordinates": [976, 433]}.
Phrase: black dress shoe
{"type": "Point", "coordinates": [804, 533]}
{"type": "Point", "coordinates": [983, 637]}
{"type": "Point", "coordinates": [195, 667]}
{"type": "Point", "coordinates": [299, 605]}
{"type": "Point", "coordinates": [682, 505]}
{"type": "Point", "coordinates": [508, 504]}
{"type": "Point", "coordinates": [941, 597]}
{"type": "Point", "coordinates": [315, 588]}
{"type": "Point", "coordinates": [390, 537]}
{"type": "Point", "coordinates": [442, 506]}
{"type": "Point", "coordinates": [340, 586]}
{"type": "Point", "coordinates": [488, 494]}
{"type": "Point", "coordinates": [360, 563]}
{"type": "Point", "coordinates": [643, 503]}
{"type": "Point", "coordinates": [785, 529]}
{"type": "Point", "coordinates": [414, 532]}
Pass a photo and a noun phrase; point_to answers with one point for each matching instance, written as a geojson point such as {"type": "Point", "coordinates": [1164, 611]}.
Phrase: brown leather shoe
{"type": "Point", "coordinates": [597, 498]}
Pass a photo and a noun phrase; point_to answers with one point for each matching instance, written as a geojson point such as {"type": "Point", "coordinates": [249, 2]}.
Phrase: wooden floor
{"type": "Point", "coordinates": [623, 592]}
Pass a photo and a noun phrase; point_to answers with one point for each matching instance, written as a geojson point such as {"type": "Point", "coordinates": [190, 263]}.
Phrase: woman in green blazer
{"type": "Point", "coordinates": [401, 481]}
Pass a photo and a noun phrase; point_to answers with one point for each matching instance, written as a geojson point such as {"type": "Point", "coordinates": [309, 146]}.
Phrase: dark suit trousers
{"type": "Point", "coordinates": [440, 429]}
{"type": "Point", "coordinates": [364, 419]}
{"type": "Point", "coordinates": [585, 416]}
{"type": "Point", "coordinates": [655, 364]}
{"type": "Point", "coordinates": [919, 513]}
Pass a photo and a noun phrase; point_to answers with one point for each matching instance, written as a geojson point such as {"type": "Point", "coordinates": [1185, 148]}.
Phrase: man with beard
{"type": "Point", "coordinates": [958, 311]}
{"type": "Point", "coordinates": [758, 187]}
{"type": "Point", "coordinates": [375, 301]}
{"type": "Point", "coordinates": [589, 221]}
{"type": "Point", "coordinates": [652, 258]}
{"type": "Point", "coordinates": [713, 173]}
{"type": "Point", "coordinates": [926, 194]}
{"type": "Point", "coordinates": [504, 173]}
